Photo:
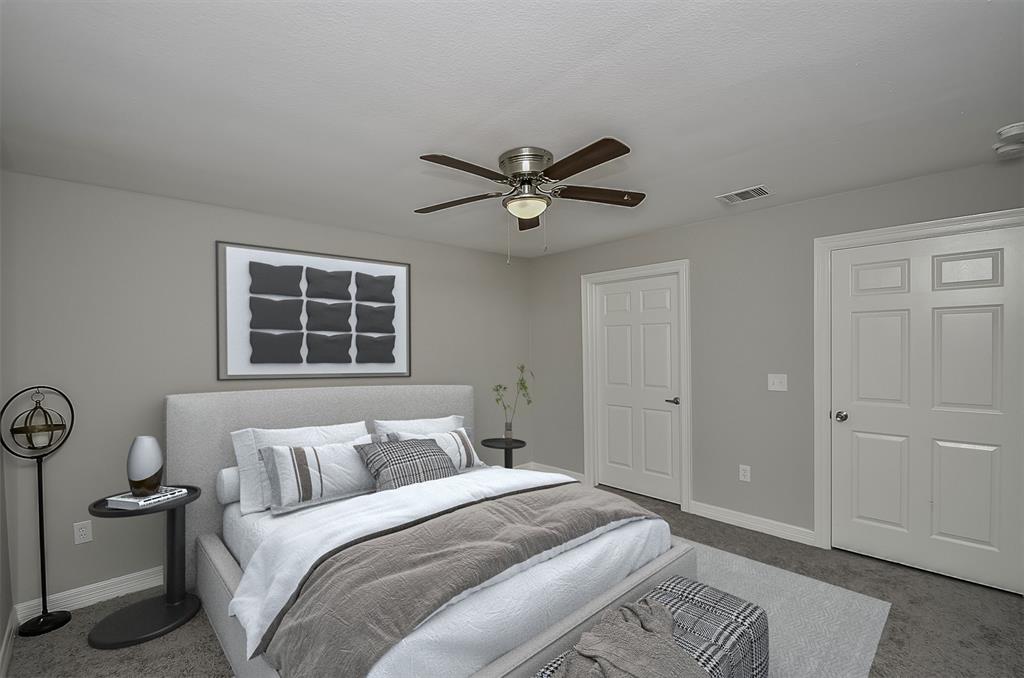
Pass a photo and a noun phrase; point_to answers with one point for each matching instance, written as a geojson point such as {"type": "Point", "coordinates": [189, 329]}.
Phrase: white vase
{"type": "Point", "coordinates": [145, 466]}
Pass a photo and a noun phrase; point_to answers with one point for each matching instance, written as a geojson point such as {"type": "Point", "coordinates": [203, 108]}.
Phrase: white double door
{"type": "Point", "coordinates": [928, 414]}
{"type": "Point", "coordinates": [638, 385]}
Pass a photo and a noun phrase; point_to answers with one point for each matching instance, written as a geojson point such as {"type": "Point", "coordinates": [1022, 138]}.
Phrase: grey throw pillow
{"type": "Point", "coordinates": [375, 349]}
{"type": "Point", "coordinates": [270, 314]}
{"type": "Point", "coordinates": [375, 318]}
{"type": "Point", "coordinates": [323, 317]}
{"type": "Point", "coordinates": [375, 288]}
{"type": "Point", "coordinates": [326, 348]}
{"type": "Point", "coordinates": [275, 348]}
{"type": "Point", "coordinates": [267, 279]}
{"type": "Point", "coordinates": [328, 284]}
{"type": "Point", "coordinates": [395, 464]}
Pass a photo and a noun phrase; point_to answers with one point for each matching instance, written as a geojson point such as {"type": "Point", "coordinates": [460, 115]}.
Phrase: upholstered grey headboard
{"type": "Point", "coordinates": [199, 427]}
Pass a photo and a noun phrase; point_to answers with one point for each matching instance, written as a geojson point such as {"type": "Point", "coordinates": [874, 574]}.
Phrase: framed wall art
{"type": "Point", "coordinates": [285, 314]}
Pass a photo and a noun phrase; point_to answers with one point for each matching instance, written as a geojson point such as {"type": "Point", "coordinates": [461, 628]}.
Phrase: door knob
{"type": "Point", "coordinates": [674, 401]}
{"type": "Point", "coordinates": [842, 415]}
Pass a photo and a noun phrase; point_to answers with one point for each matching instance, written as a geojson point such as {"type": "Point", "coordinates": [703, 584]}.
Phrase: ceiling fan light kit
{"type": "Point", "coordinates": [526, 170]}
{"type": "Point", "coordinates": [1011, 142]}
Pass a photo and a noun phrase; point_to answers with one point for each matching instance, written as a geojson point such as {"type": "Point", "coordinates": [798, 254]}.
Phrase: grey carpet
{"type": "Point", "coordinates": [191, 650]}
{"type": "Point", "coordinates": [814, 629]}
{"type": "Point", "coordinates": [937, 626]}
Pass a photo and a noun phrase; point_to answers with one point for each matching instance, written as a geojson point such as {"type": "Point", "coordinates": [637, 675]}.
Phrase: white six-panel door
{"type": "Point", "coordinates": [637, 356]}
{"type": "Point", "coordinates": [928, 423]}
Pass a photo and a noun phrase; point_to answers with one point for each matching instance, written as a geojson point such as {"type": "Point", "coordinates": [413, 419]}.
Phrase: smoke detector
{"type": "Point", "coordinates": [1011, 142]}
{"type": "Point", "coordinates": [744, 195]}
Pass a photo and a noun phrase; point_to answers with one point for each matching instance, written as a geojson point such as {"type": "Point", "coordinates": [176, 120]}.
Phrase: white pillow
{"type": "Point", "coordinates": [311, 475]}
{"type": "Point", "coordinates": [456, 444]}
{"type": "Point", "coordinates": [252, 475]}
{"type": "Point", "coordinates": [227, 485]}
{"type": "Point", "coordinates": [441, 425]}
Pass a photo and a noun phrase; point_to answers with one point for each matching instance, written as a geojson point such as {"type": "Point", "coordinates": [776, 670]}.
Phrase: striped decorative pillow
{"type": "Point", "coordinates": [396, 463]}
{"type": "Point", "coordinates": [456, 444]}
{"type": "Point", "coordinates": [310, 475]}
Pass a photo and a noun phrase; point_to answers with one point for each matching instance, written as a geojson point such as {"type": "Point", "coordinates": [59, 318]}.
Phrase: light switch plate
{"type": "Point", "coordinates": [777, 382]}
{"type": "Point", "coordinates": [744, 473]}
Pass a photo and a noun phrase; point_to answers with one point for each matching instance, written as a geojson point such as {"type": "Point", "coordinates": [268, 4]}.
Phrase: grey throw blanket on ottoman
{"type": "Point", "coordinates": [725, 635]}
{"type": "Point", "coordinates": [634, 641]}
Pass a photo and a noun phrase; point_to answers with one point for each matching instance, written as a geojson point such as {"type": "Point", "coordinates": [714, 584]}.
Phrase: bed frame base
{"type": "Point", "coordinates": [218, 575]}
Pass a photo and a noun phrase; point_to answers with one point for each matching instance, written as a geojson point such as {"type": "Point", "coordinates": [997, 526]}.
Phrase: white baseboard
{"type": "Point", "coordinates": [90, 594]}
{"type": "Point", "coordinates": [752, 522]}
{"type": "Point", "coordinates": [7, 643]}
{"type": "Point", "coordinates": [535, 466]}
{"type": "Point", "coordinates": [724, 515]}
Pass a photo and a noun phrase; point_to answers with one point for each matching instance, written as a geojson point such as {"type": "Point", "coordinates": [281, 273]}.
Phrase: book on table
{"type": "Point", "coordinates": [130, 502]}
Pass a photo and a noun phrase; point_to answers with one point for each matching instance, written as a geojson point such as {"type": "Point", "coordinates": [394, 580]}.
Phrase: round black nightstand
{"type": "Point", "coordinates": [507, 444]}
{"type": "Point", "coordinates": [153, 617]}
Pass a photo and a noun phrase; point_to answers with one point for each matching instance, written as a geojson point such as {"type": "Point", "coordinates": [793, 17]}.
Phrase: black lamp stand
{"type": "Point", "coordinates": [46, 621]}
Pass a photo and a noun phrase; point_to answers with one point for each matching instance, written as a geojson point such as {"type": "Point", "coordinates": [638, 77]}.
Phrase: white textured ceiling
{"type": "Point", "coordinates": [318, 110]}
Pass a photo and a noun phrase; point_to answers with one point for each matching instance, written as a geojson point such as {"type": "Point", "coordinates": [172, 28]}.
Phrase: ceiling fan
{"type": "Point", "coordinates": [528, 168]}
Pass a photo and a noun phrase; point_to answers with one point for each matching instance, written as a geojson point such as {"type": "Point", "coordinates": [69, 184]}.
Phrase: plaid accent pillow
{"type": "Point", "coordinates": [456, 444]}
{"type": "Point", "coordinates": [395, 463]}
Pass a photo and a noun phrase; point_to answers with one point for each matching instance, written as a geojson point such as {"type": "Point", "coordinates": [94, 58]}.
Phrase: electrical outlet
{"type": "Point", "coordinates": [744, 473]}
{"type": "Point", "coordinates": [83, 532]}
{"type": "Point", "coordinates": [778, 382]}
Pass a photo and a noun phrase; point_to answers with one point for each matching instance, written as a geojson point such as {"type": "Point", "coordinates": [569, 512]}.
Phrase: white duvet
{"type": "Point", "coordinates": [477, 626]}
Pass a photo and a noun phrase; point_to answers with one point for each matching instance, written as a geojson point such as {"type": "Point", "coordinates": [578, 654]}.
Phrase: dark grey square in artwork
{"type": "Point", "coordinates": [325, 348]}
{"type": "Point", "coordinates": [267, 279]}
{"type": "Point", "coordinates": [323, 317]}
{"type": "Point", "coordinates": [375, 318]}
{"type": "Point", "coordinates": [375, 349]}
{"type": "Point", "coordinates": [270, 314]}
{"type": "Point", "coordinates": [375, 288]}
{"type": "Point", "coordinates": [328, 284]}
{"type": "Point", "coordinates": [275, 348]}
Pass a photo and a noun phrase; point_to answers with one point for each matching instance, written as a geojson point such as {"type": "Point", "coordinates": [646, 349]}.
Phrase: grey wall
{"type": "Point", "coordinates": [111, 295]}
{"type": "Point", "coordinates": [6, 601]}
{"type": "Point", "coordinates": [751, 291]}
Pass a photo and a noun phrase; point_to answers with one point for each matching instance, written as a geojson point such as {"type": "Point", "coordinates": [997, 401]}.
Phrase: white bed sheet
{"type": "Point", "coordinates": [482, 624]}
{"type": "Point", "coordinates": [244, 533]}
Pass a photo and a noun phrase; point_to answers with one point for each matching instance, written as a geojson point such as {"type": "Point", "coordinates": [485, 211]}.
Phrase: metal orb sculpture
{"type": "Point", "coordinates": [35, 433]}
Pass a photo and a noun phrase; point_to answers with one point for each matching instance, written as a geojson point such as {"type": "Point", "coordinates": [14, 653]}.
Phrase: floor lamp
{"type": "Point", "coordinates": [35, 433]}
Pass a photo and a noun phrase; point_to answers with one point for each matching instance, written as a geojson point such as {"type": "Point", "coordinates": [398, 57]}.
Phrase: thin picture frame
{"type": "Point", "coordinates": [403, 349]}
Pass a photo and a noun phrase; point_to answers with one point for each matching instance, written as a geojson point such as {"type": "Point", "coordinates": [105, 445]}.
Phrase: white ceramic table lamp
{"type": "Point", "coordinates": [145, 466]}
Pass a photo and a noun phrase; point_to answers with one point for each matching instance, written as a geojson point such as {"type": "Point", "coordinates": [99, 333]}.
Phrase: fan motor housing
{"type": "Point", "coordinates": [525, 160]}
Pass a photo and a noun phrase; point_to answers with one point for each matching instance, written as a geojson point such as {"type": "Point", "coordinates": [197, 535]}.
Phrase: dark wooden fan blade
{"type": "Point", "coordinates": [606, 196]}
{"type": "Point", "coordinates": [455, 163]}
{"type": "Point", "coordinates": [455, 203]}
{"type": "Point", "coordinates": [599, 152]}
{"type": "Point", "coordinates": [528, 224]}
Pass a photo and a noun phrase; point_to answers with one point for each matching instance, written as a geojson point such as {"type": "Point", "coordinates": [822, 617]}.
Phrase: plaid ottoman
{"type": "Point", "coordinates": [726, 635]}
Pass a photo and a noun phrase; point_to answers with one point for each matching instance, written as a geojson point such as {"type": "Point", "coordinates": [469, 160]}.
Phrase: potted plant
{"type": "Point", "coordinates": [522, 390]}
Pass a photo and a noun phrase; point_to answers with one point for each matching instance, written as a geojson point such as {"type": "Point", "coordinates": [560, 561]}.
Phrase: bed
{"type": "Point", "coordinates": [511, 625]}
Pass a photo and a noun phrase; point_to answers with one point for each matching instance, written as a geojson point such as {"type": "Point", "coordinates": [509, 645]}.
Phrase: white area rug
{"type": "Point", "coordinates": [814, 629]}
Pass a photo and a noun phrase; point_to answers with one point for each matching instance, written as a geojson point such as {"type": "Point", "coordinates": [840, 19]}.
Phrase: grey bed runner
{"type": "Point", "coordinates": [362, 598]}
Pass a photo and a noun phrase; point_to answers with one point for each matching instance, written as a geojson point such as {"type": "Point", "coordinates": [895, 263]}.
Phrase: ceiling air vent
{"type": "Point", "coordinates": [744, 194]}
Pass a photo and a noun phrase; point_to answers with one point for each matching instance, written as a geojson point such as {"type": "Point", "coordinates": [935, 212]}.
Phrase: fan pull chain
{"type": "Point", "coordinates": [508, 241]}
{"type": "Point", "coordinates": [544, 227]}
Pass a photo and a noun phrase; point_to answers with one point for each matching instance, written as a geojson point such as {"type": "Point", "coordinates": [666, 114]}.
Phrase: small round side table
{"type": "Point", "coordinates": [152, 617]}
{"type": "Point", "coordinates": [507, 444]}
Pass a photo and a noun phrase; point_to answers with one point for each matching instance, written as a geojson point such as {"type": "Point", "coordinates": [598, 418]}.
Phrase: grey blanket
{"type": "Point", "coordinates": [364, 597]}
{"type": "Point", "coordinates": [633, 641]}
